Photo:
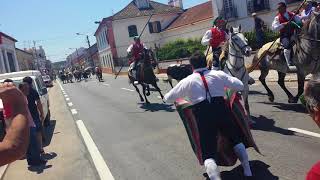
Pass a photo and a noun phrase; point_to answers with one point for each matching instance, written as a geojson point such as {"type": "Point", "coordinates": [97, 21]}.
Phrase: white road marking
{"type": "Point", "coordinates": [159, 97]}
{"type": "Point", "coordinates": [305, 132]}
{"type": "Point", "coordinates": [65, 95]}
{"type": "Point", "coordinates": [127, 89]}
{"type": "Point", "coordinates": [74, 111]}
{"type": "Point", "coordinates": [3, 170]}
{"type": "Point", "coordinates": [70, 104]}
{"type": "Point", "coordinates": [106, 84]}
{"type": "Point", "coordinates": [67, 99]}
{"type": "Point", "coordinates": [100, 164]}
{"type": "Point", "coordinates": [60, 86]}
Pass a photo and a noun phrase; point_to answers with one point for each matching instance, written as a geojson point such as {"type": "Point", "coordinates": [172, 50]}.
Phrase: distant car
{"type": "Point", "coordinates": [38, 85]}
{"type": "Point", "coordinates": [47, 81]}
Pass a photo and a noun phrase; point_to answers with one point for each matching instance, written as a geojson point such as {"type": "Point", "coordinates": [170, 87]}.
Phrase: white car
{"type": "Point", "coordinates": [47, 81]}
{"type": "Point", "coordinates": [38, 85]}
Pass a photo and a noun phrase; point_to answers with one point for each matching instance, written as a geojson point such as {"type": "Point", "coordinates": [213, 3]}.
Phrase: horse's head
{"type": "Point", "coordinates": [147, 57]}
{"type": "Point", "coordinates": [239, 42]}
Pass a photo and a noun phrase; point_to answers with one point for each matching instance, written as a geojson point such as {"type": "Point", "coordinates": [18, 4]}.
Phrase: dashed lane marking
{"type": "Point", "coordinates": [70, 104]}
{"type": "Point", "coordinates": [106, 84]}
{"type": "Point", "coordinates": [127, 89]}
{"type": "Point", "coordinates": [67, 99]}
{"type": "Point", "coordinates": [74, 111]}
{"type": "Point", "coordinates": [309, 133]}
{"type": "Point", "coordinates": [101, 166]}
{"type": "Point", "coordinates": [65, 95]}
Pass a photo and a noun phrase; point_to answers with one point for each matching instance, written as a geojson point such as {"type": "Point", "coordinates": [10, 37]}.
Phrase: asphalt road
{"type": "Point", "coordinates": [143, 142]}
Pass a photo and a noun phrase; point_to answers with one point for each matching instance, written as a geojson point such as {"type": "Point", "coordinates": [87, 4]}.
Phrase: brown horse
{"type": "Point", "coordinates": [306, 58]}
{"type": "Point", "coordinates": [146, 77]}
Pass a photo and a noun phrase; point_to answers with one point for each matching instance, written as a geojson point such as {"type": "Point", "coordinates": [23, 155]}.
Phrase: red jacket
{"type": "Point", "coordinates": [282, 19]}
{"type": "Point", "coordinates": [218, 36]}
{"type": "Point", "coordinates": [136, 50]}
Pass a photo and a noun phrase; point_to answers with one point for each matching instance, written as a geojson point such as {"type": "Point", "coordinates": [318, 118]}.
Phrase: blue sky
{"type": "Point", "coordinates": [53, 23]}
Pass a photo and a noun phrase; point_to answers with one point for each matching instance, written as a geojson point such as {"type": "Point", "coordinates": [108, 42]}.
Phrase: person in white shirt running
{"type": "Point", "coordinates": [205, 90]}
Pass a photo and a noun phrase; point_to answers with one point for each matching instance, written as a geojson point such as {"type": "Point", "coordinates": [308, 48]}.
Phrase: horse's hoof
{"type": "Point", "coordinates": [148, 93]}
{"type": "Point", "coordinates": [147, 102]}
{"type": "Point", "coordinates": [141, 99]}
{"type": "Point", "coordinates": [271, 98]}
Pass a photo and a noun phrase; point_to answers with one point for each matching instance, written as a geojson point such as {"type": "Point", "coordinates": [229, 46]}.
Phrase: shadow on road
{"type": "Point", "coordinates": [259, 169]}
{"type": "Point", "coordinates": [49, 131]}
{"type": "Point", "coordinates": [251, 92]}
{"type": "Point", "coordinates": [157, 107]}
{"type": "Point", "coordinates": [288, 107]}
{"type": "Point", "coordinates": [265, 124]}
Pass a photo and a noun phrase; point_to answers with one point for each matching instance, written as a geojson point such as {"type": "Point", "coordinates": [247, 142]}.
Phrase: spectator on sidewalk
{"type": "Point", "coordinates": [33, 152]}
{"type": "Point", "coordinates": [312, 91]}
{"type": "Point", "coordinates": [259, 26]}
{"type": "Point", "coordinates": [35, 107]}
{"type": "Point", "coordinates": [15, 143]}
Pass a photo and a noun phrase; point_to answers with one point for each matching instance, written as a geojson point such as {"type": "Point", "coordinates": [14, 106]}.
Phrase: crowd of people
{"type": "Point", "coordinates": [26, 113]}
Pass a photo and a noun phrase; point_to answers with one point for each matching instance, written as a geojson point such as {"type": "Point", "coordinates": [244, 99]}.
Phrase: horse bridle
{"type": "Point", "coordinates": [233, 43]}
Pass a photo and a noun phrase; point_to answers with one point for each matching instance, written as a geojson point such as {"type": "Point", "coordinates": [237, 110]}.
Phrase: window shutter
{"type": "Point", "coordinates": [158, 26]}
{"type": "Point", "coordinates": [266, 4]}
{"type": "Point", "coordinates": [250, 6]}
{"type": "Point", "coordinates": [150, 27]}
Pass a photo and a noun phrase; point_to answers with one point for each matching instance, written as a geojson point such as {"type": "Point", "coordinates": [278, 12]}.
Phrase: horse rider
{"type": "Point", "coordinates": [309, 7]}
{"type": "Point", "coordinates": [135, 50]}
{"type": "Point", "coordinates": [215, 38]}
{"type": "Point", "coordinates": [205, 91]}
{"type": "Point", "coordinates": [287, 29]}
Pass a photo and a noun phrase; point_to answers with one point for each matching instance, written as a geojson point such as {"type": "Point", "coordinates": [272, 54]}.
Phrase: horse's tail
{"type": "Point", "coordinates": [254, 64]}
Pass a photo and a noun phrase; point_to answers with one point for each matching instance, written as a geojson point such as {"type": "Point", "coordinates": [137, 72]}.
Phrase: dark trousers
{"type": "Point", "coordinates": [214, 118]}
{"type": "Point", "coordinates": [216, 52]}
{"type": "Point", "coordinates": [260, 38]}
{"type": "Point", "coordinates": [33, 152]}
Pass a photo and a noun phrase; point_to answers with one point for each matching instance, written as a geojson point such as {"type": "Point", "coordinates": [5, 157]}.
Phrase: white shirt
{"type": "Point", "coordinates": [208, 36]}
{"type": "Point", "coordinates": [193, 89]}
{"type": "Point", "coordinates": [277, 26]}
{"type": "Point", "coordinates": [303, 16]}
{"type": "Point", "coordinates": [131, 46]}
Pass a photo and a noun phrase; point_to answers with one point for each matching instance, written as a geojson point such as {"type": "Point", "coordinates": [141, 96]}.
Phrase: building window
{"type": "Point", "coordinates": [258, 5]}
{"type": "Point", "coordinates": [229, 10]}
{"type": "Point", "coordinates": [133, 31]}
{"type": "Point", "coordinates": [155, 27]}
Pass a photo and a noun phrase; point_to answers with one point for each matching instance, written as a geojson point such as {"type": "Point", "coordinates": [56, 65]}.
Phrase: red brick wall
{"type": "Point", "coordinates": [107, 70]}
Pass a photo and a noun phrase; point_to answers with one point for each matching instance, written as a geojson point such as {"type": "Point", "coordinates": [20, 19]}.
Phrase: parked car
{"type": "Point", "coordinates": [38, 85]}
{"type": "Point", "coordinates": [47, 81]}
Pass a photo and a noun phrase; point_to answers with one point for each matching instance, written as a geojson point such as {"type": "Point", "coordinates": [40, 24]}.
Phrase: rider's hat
{"type": "Point", "coordinates": [136, 38]}
{"type": "Point", "coordinates": [218, 20]}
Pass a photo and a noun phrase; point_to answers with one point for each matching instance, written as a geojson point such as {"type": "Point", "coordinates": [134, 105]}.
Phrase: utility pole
{"type": "Point", "coordinates": [88, 41]}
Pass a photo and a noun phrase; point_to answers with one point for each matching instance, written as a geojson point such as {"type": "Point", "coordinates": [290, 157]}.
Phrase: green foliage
{"type": "Point", "coordinates": [268, 34]}
{"type": "Point", "coordinates": [179, 49]}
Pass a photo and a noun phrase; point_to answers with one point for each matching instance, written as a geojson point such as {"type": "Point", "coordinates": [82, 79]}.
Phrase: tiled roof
{"type": "Point", "coordinates": [7, 36]}
{"type": "Point", "coordinates": [192, 15]}
{"type": "Point", "coordinates": [131, 10]}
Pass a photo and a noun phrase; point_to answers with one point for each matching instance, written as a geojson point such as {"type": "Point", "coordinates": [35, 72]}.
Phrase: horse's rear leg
{"type": "Point", "coordinates": [281, 78]}
{"type": "Point", "coordinates": [301, 81]}
{"type": "Point", "coordinates": [170, 82]}
{"type": "Point", "coordinates": [158, 89]}
{"type": "Point", "coordinates": [262, 78]}
{"type": "Point", "coordinates": [137, 89]}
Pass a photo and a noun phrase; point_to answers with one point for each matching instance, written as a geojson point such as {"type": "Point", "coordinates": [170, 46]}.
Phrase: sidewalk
{"type": "Point", "coordinates": [67, 156]}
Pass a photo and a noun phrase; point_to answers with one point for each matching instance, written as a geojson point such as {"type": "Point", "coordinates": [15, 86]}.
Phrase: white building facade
{"type": "Point", "coordinates": [239, 11]}
{"type": "Point", "coordinates": [8, 57]}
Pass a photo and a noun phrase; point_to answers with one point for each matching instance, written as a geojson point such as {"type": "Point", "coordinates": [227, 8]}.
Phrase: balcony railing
{"type": "Point", "coordinates": [257, 5]}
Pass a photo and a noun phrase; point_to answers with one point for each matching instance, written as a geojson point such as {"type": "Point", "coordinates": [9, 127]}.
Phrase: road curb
{"type": "Point", "coordinates": [3, 170]}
